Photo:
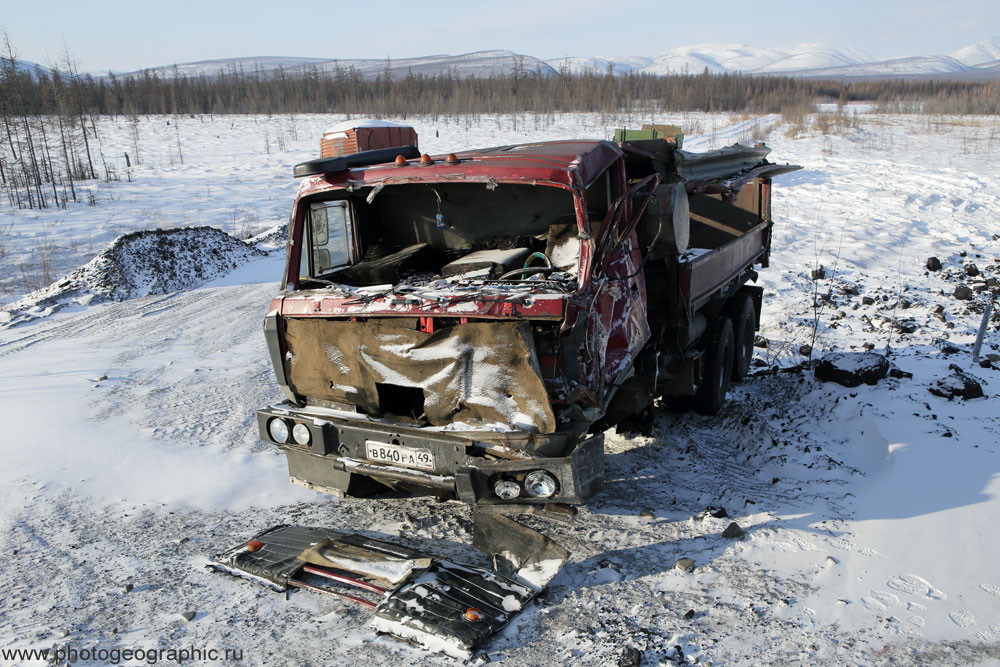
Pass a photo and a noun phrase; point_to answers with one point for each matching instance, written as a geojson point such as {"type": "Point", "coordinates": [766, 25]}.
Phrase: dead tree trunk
{"type": "Point", "coordinates": [86, 144]}
{"type": "Point", "coordinates": [48, 160]}
{"type": "Point", "coordinates": [35, 171]}
{"type": "Point", "coordinates": [69, 165]}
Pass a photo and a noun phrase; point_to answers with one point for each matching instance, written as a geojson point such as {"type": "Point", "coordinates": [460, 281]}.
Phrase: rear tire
{"type": "Point", "coordinates": [718, 370]}
{"type": "Point", "coordinates": [744, 328]}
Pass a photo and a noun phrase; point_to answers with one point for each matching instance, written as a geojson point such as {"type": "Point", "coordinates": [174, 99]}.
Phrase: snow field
{"type": "Point", "coordinates": [131, 451]}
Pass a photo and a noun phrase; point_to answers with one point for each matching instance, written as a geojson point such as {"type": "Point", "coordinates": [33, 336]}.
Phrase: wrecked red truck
{"type": "Point", "coordinates": [467, 325]}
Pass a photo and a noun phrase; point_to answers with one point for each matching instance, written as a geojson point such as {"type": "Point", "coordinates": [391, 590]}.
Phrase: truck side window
{"type": "Point", "coordinates": [598, 197]}
{"type": "Point", "coordinates": [329, 236]}
{"type": "Point", "coordinates": [603, 192]}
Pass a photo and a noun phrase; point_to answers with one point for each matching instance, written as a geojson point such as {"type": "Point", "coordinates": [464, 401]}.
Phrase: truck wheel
{"type": "Point", "coordinates": [714, 385]}
{"type": "Point", "coordinates": [744, 324]}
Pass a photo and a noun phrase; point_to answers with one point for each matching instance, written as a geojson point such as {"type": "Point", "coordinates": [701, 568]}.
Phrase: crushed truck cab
{"type": "Point", "coordinates": [467, 325]}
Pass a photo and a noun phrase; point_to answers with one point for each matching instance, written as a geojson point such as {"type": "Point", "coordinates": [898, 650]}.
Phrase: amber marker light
{"type": "Point", "coordinates": [400, 161]}
{"type": "Point", "coordinates": [254, 546]}
{"type": "Point", "coordinates": [426, 159]}
{"type": "Point", "coordinates": [473, 614]}
{"type": "Point", "coordinates": [451, 159]}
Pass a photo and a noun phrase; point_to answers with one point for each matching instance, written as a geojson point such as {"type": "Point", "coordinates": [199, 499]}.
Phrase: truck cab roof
{"type": "Point", "coordinates": [570, 164]}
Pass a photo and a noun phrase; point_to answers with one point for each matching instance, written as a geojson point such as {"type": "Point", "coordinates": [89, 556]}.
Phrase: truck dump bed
{"type": "Point", "coordinates": [728, 208]}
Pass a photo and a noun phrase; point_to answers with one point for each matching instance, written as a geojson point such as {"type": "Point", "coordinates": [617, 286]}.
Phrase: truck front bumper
{"type": "Point", "coordinates": [338, 448]}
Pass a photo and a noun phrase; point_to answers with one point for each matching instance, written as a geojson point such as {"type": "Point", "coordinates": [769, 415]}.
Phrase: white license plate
{"type": "Point", "coordinates": [399, 455]}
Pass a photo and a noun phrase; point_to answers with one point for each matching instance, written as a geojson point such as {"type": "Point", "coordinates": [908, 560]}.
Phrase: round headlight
{"type": "Point", "coordinates": [540, 484]}
{"type": "Point", "coordinates": [506, 489]}
{"type": "Point", "coordinates": [278, 430]}
{"type": "Point", "coordinates": [301, 434]}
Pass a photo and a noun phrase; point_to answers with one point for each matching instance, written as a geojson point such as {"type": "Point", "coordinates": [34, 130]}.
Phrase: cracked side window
{"type": "Point", "coordinates": [329, 236]}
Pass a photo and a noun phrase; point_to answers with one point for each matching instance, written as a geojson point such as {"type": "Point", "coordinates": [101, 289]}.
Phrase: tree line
{"type": "Point", "coordinates": [340, 90]}
{"type": "Point", "coordinates": [49, 139]}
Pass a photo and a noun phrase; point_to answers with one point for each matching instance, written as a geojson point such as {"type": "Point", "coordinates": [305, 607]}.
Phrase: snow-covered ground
{"type": "Point", "coordinates": [130, 451]}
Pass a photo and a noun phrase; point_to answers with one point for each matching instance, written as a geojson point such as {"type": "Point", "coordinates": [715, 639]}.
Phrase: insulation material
{"type": "Point", "coordinates": [473, 373]}
{"type": "Point", "coordinates": [563, 247]}
{"type": "Point", "coordinates": [359, 559]}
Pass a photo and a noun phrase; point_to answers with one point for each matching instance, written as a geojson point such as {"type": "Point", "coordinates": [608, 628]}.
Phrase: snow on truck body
{"type": "Point", "coordinates": [459, 325]}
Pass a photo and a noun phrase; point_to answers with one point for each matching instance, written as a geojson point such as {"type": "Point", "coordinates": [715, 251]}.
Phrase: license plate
{"type": "Point", "coordinates": [399, 455]}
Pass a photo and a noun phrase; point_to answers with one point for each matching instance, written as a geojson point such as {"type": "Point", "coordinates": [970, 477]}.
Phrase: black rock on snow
{"type": "Point", "coordinates": [957, 384]}
{"type": "Point", "coordinates": [733, 531]}
{"type": "Point", "coordinates": [962, 292]}
{"type": "Point", "coordinates": [852, 368]}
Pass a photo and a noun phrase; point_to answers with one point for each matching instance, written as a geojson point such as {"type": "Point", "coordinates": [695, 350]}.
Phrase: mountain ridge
{"type": "Point", "coordinates": [808, 59]}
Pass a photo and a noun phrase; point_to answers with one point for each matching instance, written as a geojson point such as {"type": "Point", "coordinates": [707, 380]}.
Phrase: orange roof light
{"type": "Point", "coordinates": [400, 161]}
{"type": "Point", "coordinates": [426, 159]}
{"type": "Point", "coordinates": [473, 614]}
{"type": "Point", "coordinates": [451, 159]}
{"type": "Point", "coordinates": [255, 546]}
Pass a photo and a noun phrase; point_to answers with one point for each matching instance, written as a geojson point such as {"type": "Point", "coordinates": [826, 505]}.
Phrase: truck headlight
{"type": "Point", "coordinates": [506, 489]}
{"type": "Point", "coordinates": [301, 434]}
{"type": "Point", "coordinates": [278, 430]}
{"type": "Point", "coordinates": [540, 484]}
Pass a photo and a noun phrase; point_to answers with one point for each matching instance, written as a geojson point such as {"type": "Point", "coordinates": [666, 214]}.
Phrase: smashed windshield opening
{"type": "Point", "coordinates": [421, 234]}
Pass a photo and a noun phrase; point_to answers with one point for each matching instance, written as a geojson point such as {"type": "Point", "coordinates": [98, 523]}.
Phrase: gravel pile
{"type": "Point", "coordinates": [157, 261]}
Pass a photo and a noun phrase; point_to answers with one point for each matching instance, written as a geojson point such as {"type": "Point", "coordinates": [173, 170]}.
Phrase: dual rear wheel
{"type": "Point", "coordinates": [727, 355]}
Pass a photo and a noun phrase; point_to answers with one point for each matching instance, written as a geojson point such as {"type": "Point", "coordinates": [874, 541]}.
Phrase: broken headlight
{"type": "Point", "coordinates": [540, 484]}
{"type": "Point", "coordinates": [506, 489]}
{"type": "Point", "coordinates": [278, 430]}
{"type": "Point", "coordinates": [301, 434]}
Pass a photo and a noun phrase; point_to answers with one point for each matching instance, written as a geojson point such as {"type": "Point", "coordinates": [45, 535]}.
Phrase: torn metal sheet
{"type": "Point", "coordinates": [472, 373]}
{"type": "Point", "coordinates": [524, 552]}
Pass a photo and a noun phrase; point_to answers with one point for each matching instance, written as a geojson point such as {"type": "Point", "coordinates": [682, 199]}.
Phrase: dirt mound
{"type": "Point", "coordinates": [275, 237]}
{"type": "Point", "coordinates": [156, 261]}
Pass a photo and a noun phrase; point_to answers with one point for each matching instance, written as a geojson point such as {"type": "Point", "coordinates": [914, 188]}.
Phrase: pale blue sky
{"type": "Point", "coordinates": [127, 35]}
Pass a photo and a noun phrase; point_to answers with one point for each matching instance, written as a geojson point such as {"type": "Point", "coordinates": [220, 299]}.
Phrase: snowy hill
{"type": "Point", "coordinates": [896, 67]}
{"type": "Point", "coordinates": [30, 67]}
{"type": "Point", "coordinates": [719, 58]}
{"type": "Point", "coordinates": [213, 67]}
{"type": "Point", "coordinates": [479, 63]}
{"type": "Point", "coordinates": [685, 60]}
{"type": "Point", "coordinates": [806, 59]}
{"type": "Point", "coordinates": [818, 59]}
{"type": "Point", "coordinates": [599, 65]}
{"type": "Point", "coordinates": [980, 53]}
{"type": "Point", "coordinates": [813, 55]}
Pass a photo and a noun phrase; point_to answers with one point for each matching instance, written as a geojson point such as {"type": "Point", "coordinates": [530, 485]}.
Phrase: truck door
{"type": "Point", "coordinates": [617, 326]}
